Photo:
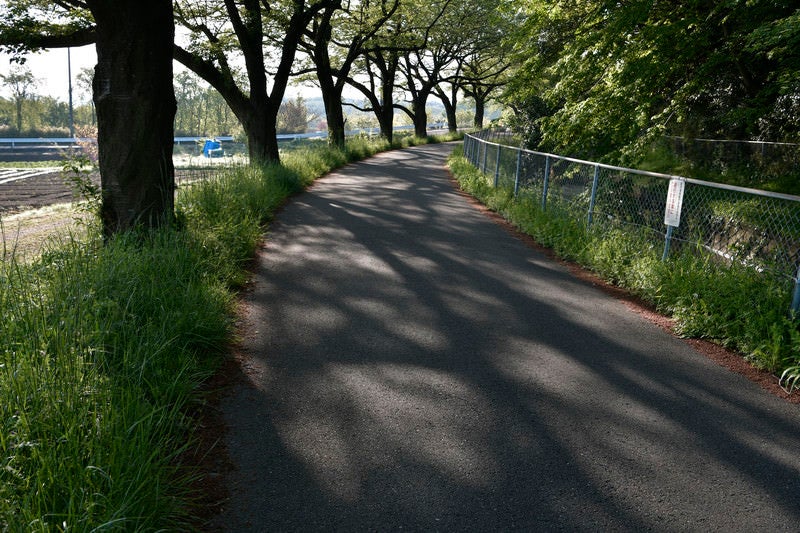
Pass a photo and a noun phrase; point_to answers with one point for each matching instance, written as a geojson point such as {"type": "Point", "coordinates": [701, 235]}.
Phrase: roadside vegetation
{"type": "Point", "coordinates": [728, 304]}
{"type": "Point", "coordinates": [104, 343]}
{"type": "Point", "coordinates": [104, 347]}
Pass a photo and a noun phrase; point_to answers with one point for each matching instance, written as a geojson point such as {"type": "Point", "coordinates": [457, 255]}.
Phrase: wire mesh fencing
{"type": "Point", "coordinates": [753, 161]}
{"type": "Point", "coordinates": [757, 228]}
{"type": "Point", "coordinates": [188, 175]}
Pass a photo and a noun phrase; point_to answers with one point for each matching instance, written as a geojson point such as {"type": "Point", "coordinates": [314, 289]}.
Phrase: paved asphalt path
{"type": "Point", "coordinates": [412, 366]}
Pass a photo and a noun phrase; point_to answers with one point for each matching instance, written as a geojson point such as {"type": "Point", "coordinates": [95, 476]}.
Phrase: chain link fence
{"type": "Point", "coordinates": [757, 228]}
{"type": "Point", "coordinates": [752, 161]}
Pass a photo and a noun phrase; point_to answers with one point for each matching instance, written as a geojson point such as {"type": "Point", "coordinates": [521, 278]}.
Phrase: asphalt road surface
{"type": "Point", "coordinates": [413, 366]}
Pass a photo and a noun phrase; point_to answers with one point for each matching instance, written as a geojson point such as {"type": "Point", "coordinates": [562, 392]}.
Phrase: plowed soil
{"type": "Point", "coordinates": [32, 192]}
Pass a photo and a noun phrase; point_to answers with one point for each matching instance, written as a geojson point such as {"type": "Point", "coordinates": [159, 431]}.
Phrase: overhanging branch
{"type": "Point", "coordinates": [21, 38]}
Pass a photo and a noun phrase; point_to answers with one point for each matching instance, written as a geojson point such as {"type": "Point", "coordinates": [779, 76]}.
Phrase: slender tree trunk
{"type": "Point", "coordinates": [450, 104]}
{"type": "Point", "coordinates": [135, 104]}
{"type": "Point", "coordinates": [19, 116]}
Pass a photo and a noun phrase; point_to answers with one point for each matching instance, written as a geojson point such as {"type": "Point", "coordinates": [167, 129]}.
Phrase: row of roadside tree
{"type": "Point", "coordinates": [595, 79]}
{"type": "Point", "coordinates": [248, 51]}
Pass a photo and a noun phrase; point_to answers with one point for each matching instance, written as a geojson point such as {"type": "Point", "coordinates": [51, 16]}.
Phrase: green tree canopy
{"type": "Point", "coordinates": [601, 78]}
{"type": "Point", "coordinates": [21, 83]}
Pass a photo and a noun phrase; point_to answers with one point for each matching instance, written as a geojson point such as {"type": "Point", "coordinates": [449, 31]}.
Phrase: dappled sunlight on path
{"type": "Point", "coordinates": [413, 366]}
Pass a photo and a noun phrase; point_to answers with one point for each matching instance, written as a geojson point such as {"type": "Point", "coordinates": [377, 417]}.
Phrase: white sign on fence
{"type": "Point", "coordinates": [672, 211]}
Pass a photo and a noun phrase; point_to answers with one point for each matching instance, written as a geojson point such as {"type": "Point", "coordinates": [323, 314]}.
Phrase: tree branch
{"type": "Point", "coordinates": [22, 38]}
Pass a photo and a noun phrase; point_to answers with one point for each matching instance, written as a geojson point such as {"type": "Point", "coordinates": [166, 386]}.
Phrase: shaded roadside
{"type": "Point", "coordinates": [410, 365]}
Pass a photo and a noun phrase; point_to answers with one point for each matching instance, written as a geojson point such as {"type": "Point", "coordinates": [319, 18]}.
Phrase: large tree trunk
{"type": "Point", "coordinates": [382, 101]}
{"type": "Point", "coordinates": [420, 118]}
{"type": "Point", "coordinates": [452, 118]}
{"type": "Point", "coordinates": [259, 147]}
{"type": "Point", "coordinates": [260, 124]}
{"type": "Point", "coordinates": [385, 113]}
{"type": "Point", "coordinates": [331, 90]}
{"type": "Point", "coordinates": [135, 104]}
{"type": "Point", "coordinates": [332, 98]}
{"type": "Point", "coordinates": [480, 106]}
{"type": "Point", "coordinates": [335, 118]}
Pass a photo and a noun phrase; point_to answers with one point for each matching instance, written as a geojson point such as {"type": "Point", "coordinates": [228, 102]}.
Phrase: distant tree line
{"type": "Point", "coordinates": [200, 111]}
{"type": "Point", "coordinates": [26, 113]}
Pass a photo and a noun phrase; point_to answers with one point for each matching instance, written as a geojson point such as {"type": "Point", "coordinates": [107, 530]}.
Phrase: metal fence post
{"type": "Point", "coordinates": [497, 168]}
{"type": "Point", "coordinates": [473, 155]}
{"type": "Point", "coordinates": [796, 296]}
{"type": "Point", "coordinates": [470, 149]}
{"type": "Point", "coordinates": [472, 144]}
{"type": "Point", "coordinates": [667, 242]}
{"type": "Point", "coordinates": [516, 173]}
{"type": "Point", "coordinates": [485, 153]}
{"type": "Point", "coordinates": [473, 152]}
{"type": "Point", "coordinates": [594, 194]}
{"type": "Point", "coordinates": [546, 181]}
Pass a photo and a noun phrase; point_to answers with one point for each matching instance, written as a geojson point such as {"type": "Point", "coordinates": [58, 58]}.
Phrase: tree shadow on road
{"type": "Point", "coordinates": [412, 366]}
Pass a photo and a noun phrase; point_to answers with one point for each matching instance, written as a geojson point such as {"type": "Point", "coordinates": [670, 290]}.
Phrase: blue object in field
{"type": "Point", "coordinates": [213, 148]}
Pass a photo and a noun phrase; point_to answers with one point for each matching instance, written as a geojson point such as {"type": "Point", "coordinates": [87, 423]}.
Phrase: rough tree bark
{"type": "Point", "coordinates": [135, 104]}
{"type": "Point", "coordinates": [334, 114]}
{"type": "Point", "coordinates": [450, 103]}
{"type": "Point", "coordinates": [420, 118]}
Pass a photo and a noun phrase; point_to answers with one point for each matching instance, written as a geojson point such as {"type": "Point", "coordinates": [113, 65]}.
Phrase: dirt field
{"type": "Point", "coordinates": [36, 206]}
{"type": "Point", "coordinates": [24, 189]}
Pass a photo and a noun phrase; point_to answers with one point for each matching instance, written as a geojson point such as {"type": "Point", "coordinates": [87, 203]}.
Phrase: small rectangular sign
{"type": "Point", "coordinates": [672, 211]}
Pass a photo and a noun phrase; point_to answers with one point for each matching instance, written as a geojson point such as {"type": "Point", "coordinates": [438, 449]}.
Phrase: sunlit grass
{"type": "Point", "coordinates": [104, 345]}
{"type": "Point", "coordinates": [31, 164]}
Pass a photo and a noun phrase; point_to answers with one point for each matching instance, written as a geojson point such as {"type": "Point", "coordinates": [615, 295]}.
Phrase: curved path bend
{"type": "Point", "coordinates": [412, 366]}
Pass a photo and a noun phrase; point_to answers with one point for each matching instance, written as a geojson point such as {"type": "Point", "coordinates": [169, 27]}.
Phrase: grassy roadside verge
{"type": "Point", "coordinates": [729, 305]}
{"type": "Point", "coordinates": [103, 348]}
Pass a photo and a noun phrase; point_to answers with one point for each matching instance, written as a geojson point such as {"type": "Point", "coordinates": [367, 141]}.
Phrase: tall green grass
{"type": "Point", "coordinates": [103, 346]}
{"type": "Point", "coordinates": [726, 303]}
